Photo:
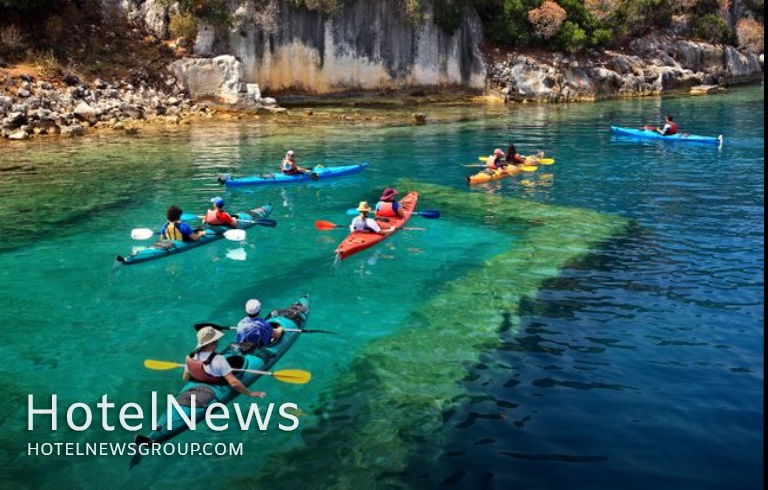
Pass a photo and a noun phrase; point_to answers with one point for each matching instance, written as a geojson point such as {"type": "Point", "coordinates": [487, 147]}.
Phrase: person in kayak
{"type": "Point", "coordinates": [514, 158]}
{"type": "Point", "coordinates": [289, 166]}
{"type": "Point", "coordinates": [387, 207]}
{"type": "Point", "coordinates": [207, 366]}
{"type": "Point", "coordinates": [256, 330]}
{"type": "Point", "coordinates": [217, 215]}
{"type": "Point", "coordinates": [495, 161]}
{"type": "Point", "coordinates": [669, 128]}
{"type": "Point", "coordinates": [175, 229]}
{"type": "Point", "coordinates": [363, 223]}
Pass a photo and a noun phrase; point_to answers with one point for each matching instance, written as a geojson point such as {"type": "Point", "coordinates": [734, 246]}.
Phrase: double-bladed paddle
{"type": "Point", "coordinates": [541, 161]}
{"type": "Point", "coordinates": [323, 225]}
{"type": "Point", "coordinates": [198, 326]}
{"type": "Point", "coordinates": [524, 168]}
{"type": "Point", "coordinates": [269, 223]}
{"type": "Point", "coordinates": [145, 233]}
{"type": "Point", "coordinates": [424, 213]}
{"type": "Point", "coordinates": [295, 376]}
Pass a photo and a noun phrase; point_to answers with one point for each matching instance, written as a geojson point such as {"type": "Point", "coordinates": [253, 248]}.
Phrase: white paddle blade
{"type": "Point", "coordinates": [237, 254]}
{"type": "Point", "coordinates": [235, 235]}
{"type": "Point", "coordinates": [141, 233]}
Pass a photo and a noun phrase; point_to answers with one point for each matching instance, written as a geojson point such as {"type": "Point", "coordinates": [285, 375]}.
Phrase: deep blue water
{"type": "Point", "coordinates": [639, 366]}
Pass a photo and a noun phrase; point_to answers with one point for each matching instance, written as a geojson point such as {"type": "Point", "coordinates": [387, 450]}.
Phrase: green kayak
{"type": "Point", "coordinates": [261, 359]}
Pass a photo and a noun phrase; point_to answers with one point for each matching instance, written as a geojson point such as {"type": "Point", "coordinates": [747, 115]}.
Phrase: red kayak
{"type": "Point", "coordinates": [358, 241]}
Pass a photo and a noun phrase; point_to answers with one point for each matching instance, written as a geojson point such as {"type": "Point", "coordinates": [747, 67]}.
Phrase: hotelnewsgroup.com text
{"type": "Point", "coordinates": [133, 449]}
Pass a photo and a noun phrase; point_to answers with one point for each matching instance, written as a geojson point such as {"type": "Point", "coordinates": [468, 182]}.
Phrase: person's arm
{"type": "Point", "coordinates": [228, 220]}
{"type": "Point", "coordinates": [240, 387]}
{"type": "Point", "coordinates": [372, 225]}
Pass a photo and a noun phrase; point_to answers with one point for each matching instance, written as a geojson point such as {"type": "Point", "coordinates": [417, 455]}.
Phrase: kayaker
{"type": "Point", "coordinates": [512, 157]}
{"type": "Point", "coordinates": [207, 366]}
{"type": "Point", "coordinates": [289, 165]}
{"type": "Point", "coordinates": [387, 207]}
{"type": "Point", "coordinates": [496, 160]}
{"type": "Point", "coordinates": [175, 229]}
{"type": "Point", "coordinates": [363, 223]}
{"type": "Point", "coordinates": [669, 128]}
{"type": "Point", "coordinates": [254, 329]}
{"type": "Point", "coordinates": [217, 215]}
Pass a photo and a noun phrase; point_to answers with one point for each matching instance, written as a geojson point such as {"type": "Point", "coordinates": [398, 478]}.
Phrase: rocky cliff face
{"type": "Point", "coordinates": [366, 45]}
{"type": "Point", "coordinates": [371, 45]}
{"type": "Point", "coordinates": [651, 66]}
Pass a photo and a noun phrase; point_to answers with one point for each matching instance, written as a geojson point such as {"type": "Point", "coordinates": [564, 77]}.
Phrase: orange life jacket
{"type": "Point", "coordinates": [385, 209]}
{"type": "Point", "coordinates": [196, 371]}
{"type": "Point", "coordinates": [212, 217]}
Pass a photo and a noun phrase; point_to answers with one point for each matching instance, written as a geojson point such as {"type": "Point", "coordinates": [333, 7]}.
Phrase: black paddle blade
{"type": "Point", "coordinates": [269, 223]}
{"type": "Point", "coordinates": [199, 326]}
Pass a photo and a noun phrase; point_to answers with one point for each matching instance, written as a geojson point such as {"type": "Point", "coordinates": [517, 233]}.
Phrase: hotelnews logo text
{"type": "Point", "coordinates": [217, 416]}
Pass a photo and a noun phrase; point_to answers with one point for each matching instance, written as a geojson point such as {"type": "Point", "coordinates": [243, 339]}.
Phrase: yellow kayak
{"type": "Point", "coordinates": [487, 175]}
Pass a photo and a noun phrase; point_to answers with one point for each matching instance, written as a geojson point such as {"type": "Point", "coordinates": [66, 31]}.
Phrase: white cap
{"type": "Point", "coordinates": [289, 152]}
{"type": "Point", "coordinates": [253, 307]}
{"type": "Point", "coordinates": [207, 335]}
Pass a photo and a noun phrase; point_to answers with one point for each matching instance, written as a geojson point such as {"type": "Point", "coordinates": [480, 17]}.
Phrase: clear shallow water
{"type": "Point", "coordinates": [639, 366]}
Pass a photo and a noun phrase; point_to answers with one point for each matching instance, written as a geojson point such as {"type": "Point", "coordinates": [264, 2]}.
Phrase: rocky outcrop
{"type": "Point", "coordinates": [30, 107]}
{"type": "Point", "coordinates": [651, 66]}
{"type": "Point", "coordinates": [365, 45]}
{"type": "Point", "coordinates": [220, 81]}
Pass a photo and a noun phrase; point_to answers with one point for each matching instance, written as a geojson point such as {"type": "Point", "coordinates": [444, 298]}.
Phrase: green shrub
{"type": "Point", "coordinates": [601, 37]}
{"type": "Point", "coordinates": [642, 16]}
{"type": "Point", "coordinates": [183, 25]}
{"type": "Point", "coordinates": [713, 28]}
{"type": "Point", "coordinates": [571, 37]}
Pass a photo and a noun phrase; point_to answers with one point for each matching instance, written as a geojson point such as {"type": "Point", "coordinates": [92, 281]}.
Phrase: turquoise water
{"type": "Point", "coordinates": [639, 364]}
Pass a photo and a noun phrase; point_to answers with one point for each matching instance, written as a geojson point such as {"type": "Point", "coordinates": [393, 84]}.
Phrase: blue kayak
{"type": "Point", "coordinates": [317, 173]}
{"type": "Point", "coordinates": [165, 248]}
{"type": "Point", "coordinates": [654, 135]}
{"type": "Point", "coordinates": [260, 359]}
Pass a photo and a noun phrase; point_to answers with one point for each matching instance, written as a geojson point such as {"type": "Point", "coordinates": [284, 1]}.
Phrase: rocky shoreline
{"type": "Point", "coordinates": [651, 66]}
{"type": "Point", "coordinates": [205, 87]}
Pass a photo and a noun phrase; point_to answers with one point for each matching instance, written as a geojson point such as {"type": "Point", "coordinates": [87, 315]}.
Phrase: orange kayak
{"type": "Point", "coordinates": [358, 241]}
{"type": "Point", "coordinates": [487, 175]}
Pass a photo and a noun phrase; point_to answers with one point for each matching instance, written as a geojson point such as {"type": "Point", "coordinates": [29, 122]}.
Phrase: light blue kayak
{"type": "Point", "coordinates": [261, 359]}
{"type": "Point", "coordinates": [165, 248]}
{"type": "Point", "coordinates": [677, 137]}
{"type": "Point", "coordinates": [317, 173]}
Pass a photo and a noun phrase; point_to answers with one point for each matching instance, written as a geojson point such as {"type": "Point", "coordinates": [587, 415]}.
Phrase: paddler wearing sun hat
{"type": "Point", "coordinates": [363, 223]}
{"type": "Point", "coordinates": [387, 207]}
